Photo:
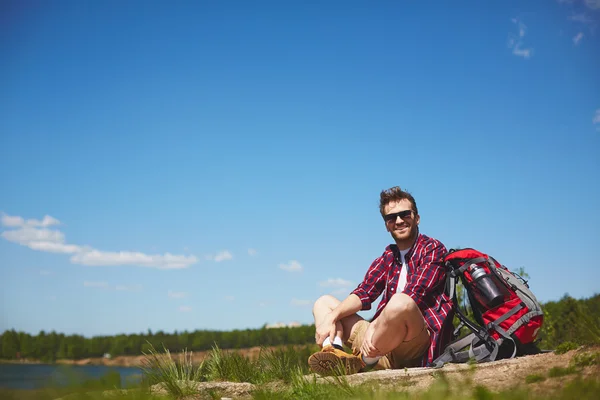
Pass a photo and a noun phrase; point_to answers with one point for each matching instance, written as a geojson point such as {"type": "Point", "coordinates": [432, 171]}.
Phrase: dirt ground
{"type": "Point", "coordinates": [496, 376]}
{"type": "Point", "coordinates": [137, 361]}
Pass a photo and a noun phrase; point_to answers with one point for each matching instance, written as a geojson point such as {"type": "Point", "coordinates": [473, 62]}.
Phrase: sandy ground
{"type": "Point", "coordinates": [136, 361]}
{"type": "Point", "coordinates": [495, 376]}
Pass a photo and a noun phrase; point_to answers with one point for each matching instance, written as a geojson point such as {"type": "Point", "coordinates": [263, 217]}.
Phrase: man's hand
{"type": "Point", "coordinates": [367, 348]}
{"type": "Point", "coordinates": [326, 329]}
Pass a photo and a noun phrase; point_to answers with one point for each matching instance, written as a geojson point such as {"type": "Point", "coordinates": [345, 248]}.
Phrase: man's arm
{"type": "Point", "coordinates": [360, 299]}
{"type": "Point", "coordinates": [331, 326]}
{"type": "Point", "coordinates": [374, 281]}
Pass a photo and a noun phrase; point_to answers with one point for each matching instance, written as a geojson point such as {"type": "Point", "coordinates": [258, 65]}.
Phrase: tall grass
{"type": "Point", "coordinates": [285, 362]}
{"type": "Point", "coordinates": [232, 367]}
{"type": "Point", "coordinates": [160, 367]}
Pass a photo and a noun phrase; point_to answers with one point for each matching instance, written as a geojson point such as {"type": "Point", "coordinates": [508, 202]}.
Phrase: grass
{"type": "Point", "coordinates": [556, 372]}
{"type": "Point", "coordinates": [161, 368]}
{"type": "Point", "coordinates": [534, 378]}
{"type": "Point", "coordinates": [288, 368]}
{"type": "Point", "coordinates": [284, 363]}
{"type": "Point", "coordinates": [232, 367]}
{"type": "Point", "coordinates": [585, 359]}
{"type": "Point", "coordinates": [565, 346]}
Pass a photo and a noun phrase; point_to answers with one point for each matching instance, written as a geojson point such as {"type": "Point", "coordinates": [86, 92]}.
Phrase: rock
{"type": "Point", "coordinates": [208, 389]}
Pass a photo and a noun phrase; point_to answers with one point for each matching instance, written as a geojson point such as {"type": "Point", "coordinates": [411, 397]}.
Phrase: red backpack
{"type": "Point", "coordinates": [507, 315]}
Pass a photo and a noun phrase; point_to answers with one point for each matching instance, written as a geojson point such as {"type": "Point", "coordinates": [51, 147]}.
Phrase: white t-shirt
{"type": "Point", "coordinates": [402, 278]}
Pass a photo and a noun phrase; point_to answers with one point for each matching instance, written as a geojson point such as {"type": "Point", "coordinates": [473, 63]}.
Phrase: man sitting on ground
{"type": "Point", "coordinates": [413, 321]}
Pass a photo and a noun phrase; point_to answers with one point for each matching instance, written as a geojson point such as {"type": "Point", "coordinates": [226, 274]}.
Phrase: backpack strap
{"type": "Point", "coordinates": [496, 326]}
{"type": "Point", "coordinates": [479, 351]}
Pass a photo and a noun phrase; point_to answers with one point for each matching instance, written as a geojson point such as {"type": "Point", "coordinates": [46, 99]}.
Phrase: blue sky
{"type": "Point", "coordinates": [217, 165]}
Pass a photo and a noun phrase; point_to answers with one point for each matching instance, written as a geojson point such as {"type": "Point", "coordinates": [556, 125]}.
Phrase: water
{"type": "Point", "coordinates": [35, 376]}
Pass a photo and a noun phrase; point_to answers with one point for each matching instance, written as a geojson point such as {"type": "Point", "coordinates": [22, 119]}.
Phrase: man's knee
{"type": "Point", "coordinates": [326, 302]}
{"type": "Point", "coordinates": [401, 305]}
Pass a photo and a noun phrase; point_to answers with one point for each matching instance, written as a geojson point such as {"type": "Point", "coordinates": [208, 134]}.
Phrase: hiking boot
{"type": "Point", "coordinates": [331, 361]}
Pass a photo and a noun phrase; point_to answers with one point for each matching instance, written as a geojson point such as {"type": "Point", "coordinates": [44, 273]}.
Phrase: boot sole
{"type": "Point", "coordinates": [327, 364]}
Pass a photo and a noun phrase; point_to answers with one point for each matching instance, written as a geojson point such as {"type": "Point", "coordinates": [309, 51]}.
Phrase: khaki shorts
{"type": "Point", "coordinates": [407, 354]}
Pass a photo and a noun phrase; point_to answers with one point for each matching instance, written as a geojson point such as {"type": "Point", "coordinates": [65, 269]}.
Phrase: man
{"type": "Point", "coordinates": [413, 322]}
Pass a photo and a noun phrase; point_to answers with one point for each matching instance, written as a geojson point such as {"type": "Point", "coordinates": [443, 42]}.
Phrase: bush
{"type": "Point", "coordinates": [565, 347]}
{"type": "Point", "coordinates": [534, 378]}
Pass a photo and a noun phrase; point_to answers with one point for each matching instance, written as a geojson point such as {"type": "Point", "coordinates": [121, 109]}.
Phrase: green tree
{"type": "Point", "coordinates": [10, 344]}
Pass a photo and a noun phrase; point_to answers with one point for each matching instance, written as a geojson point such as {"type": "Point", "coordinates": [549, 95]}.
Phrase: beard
{"type": "Point", "coordinates": [405, 233]}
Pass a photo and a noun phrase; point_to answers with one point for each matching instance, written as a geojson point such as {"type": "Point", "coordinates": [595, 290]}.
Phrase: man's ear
{"type": "Point", "coordinates": [417, 219]}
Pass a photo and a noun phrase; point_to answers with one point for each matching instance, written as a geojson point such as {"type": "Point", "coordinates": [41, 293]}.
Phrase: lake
{"type": "Point", "coordinates": [35, 376]}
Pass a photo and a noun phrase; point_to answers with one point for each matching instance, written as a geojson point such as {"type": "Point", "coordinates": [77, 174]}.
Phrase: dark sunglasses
{"type": "Point", "coordinates": [402, 214]}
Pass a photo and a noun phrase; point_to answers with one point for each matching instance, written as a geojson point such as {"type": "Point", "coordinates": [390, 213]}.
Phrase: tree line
{"type": "Point", "coordinates": [51, 346]}
{"type": "Point", "coordinates": [567, 319]}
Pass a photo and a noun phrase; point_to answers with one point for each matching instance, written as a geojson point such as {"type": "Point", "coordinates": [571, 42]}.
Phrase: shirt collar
{"type": "Point", "coordinates": [416, 244]}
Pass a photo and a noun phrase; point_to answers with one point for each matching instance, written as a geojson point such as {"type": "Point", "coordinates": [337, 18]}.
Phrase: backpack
{"type": "Point", "coordinates": [507, 315]}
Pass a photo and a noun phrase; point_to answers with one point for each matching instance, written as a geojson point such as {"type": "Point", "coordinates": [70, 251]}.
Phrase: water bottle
{"type": "Point", "coordinates": [487, 288]}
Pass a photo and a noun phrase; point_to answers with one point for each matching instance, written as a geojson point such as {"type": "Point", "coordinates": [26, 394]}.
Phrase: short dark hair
{"type": "Point", "coordinates": [396, 194]}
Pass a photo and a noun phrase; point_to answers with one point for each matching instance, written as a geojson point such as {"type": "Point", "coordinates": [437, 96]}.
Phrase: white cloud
{"type": "Point", "coordinates": [335, 282]}
{"type": "Point", "coordinates": [577, 38]}
{"type": "Point", "coordinates": [220, 256]}
{"type": "Point", "coordinates": [129, 288]}
{"type": "Point", "coordinates": [105, 258]}
{"type": "Point", "coordinates": [52, 247]}
{"type": "Point", "coordinates": [515, 42]}
{"type": "Point", "coordinates": [252, 252]}
{"type": "Point", "coordinates": [12, 221]}
{"type": "Point", "coordinates": [292, 266]}
{"type": "Point", "coordinates": [223, 255]}
{"type": "Point", "coordinates": [583, 18]}
{"type": "Point", "coordinates": [340, 291]}
{"type": "Point", "coordinates": [229, 298]}
{"type": "Point", "coordinates": [593, 4]}
{"type": "Point", "coordinates": [185, 309]}
{"type": "Point", "coordinates": [47, 221]}
{"type": "Point", "coordinates": [282, 325]}
{"type": "Point", "coordinates": [27, 234]}
{"type": "Point", "coordinates": [525, 53]}
{"type": "Point", "coordinates": [16, 221]}
{"type": "Point", "coordinates": [301, 303]}
{"type": "Point", "coordinates": [35, 235]}
{"type": "Point", "coordinates": [120, 288]}
{"type": "Point", "coordinates": [45, 272]}
{"type": "Point", "coordinates": [596, 119]}
{"type": "Point", "coordinates": [103, 285]}
{"type": "Point", "coordinates": [177, 295]}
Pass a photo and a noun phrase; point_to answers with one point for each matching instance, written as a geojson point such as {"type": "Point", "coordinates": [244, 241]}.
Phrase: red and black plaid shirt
{"type": "Point", "coordinates": [425, 283]}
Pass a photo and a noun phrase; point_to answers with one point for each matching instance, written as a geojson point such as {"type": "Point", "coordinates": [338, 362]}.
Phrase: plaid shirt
{"type": "Point", "coordinates": [425, 283]}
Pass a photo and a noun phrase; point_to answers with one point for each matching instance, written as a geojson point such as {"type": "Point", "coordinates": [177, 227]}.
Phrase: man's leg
{"type": "Point", "coordinates": [332, 360]}
{"type": "Point", "coordinates": [324, 305]}
{"type": "Point", "coordinates": [398, 325]}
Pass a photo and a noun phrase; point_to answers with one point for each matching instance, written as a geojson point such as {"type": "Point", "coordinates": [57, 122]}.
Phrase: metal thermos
{"type": "Point", "coordinates": [488, 290]}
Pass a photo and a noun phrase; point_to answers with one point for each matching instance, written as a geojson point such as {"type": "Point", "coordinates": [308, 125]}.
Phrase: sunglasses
{"type": "Point", "coordinates": [402, 214]}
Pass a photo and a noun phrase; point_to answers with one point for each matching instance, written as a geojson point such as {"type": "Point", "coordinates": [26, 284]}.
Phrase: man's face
{"type": "Point", "coordinates": [404, 228]}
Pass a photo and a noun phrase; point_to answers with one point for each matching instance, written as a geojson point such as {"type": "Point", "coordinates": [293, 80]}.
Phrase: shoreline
{"type": "Point", "coordinates": [135, 361]}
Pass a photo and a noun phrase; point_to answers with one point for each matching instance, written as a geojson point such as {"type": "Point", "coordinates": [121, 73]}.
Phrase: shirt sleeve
{"type": "Point", "coordinates": [429, 274]}
{"type": "Point", "coordinates": [373, 283]}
